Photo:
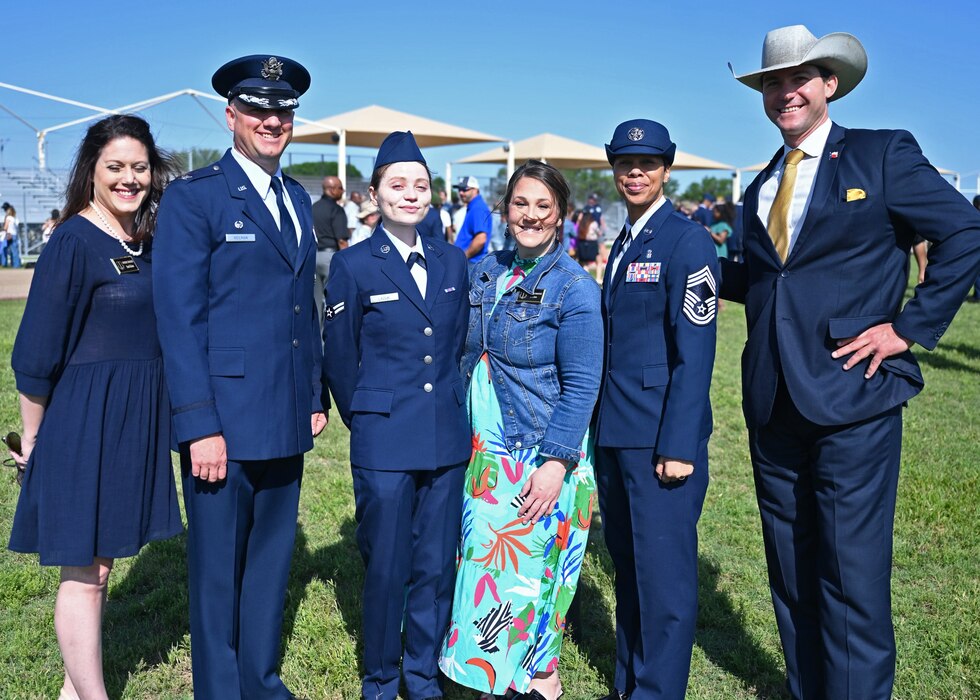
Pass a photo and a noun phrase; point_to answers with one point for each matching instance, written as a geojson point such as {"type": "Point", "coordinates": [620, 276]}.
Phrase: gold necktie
{"type": "Point", "coordinates": [778, 224]}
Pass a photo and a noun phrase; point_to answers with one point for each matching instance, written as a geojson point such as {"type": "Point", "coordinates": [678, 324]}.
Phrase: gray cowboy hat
{"type": "Point", "coordinates": [788, 47]}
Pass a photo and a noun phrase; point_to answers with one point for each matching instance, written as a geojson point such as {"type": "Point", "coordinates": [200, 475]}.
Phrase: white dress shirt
{"type": "Point", "coordinates": [806, 175]}
{"type": "Point", "coordinates": [262, 182]}
{"type": "Point", "coordinates": [418, 272]}
{"type": "Point", "coordinates": [638, 226]}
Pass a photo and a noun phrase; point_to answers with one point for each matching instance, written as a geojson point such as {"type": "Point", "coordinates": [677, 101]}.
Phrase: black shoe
{"type": "Point", "coordinates": [615, 695]}
{"type": "Point", "coordinates": [530, 695]}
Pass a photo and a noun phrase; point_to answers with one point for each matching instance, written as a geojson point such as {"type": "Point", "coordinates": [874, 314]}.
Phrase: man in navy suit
{"type": "Point", "coordinates": [234, 271]}
{"type": "Point", "coordinates": [653, 417]}
{"type": "Point", "coordinates": [826, 369]}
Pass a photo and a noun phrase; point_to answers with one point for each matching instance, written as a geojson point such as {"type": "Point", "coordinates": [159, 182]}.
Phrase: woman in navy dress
{"type": "Point", "coordinates": [394, 325]}
{"type": "Point", "coordinates": [99, 483]}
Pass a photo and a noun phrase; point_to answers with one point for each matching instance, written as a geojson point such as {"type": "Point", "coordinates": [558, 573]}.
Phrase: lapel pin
{"type": "Point", "coordinates": [834, 154]}
{"type": "Point", "coordinates": [385, 248]}
{"type": "Point", "coordinates": [242, 188]}
{"type": "Point", "coordinates": [649, 254]}
{"type": "Point", "coordinates": [239, 224]}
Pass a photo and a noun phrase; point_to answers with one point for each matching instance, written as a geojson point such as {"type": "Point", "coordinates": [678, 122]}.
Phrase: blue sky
{"type": "Point", "coordinates": [510, 68]}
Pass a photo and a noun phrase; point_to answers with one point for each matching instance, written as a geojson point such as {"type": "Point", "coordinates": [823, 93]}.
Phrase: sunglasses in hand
{"type": "Point", "coordinates": [12, 441]}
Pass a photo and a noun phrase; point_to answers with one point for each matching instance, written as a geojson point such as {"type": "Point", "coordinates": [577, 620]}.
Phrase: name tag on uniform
{"type": "Point", "coordinates": [526, 298]}
{"type": "Point", "coordinates": [125, 265]}
{"type": "Point", "coordinates": [381, 298]}
{"type": "Point", "coordinates": [643, 272]}
{"type": "Point", "coordinates": [239, 237]}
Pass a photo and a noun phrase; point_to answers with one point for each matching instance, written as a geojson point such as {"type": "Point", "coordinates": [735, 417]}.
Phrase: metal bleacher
{"type": "Point", "coordinates": [33, 193]}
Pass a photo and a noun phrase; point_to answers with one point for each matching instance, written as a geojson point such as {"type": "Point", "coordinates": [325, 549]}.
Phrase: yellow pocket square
{"type": "Point", "coordinates": [855, 194]}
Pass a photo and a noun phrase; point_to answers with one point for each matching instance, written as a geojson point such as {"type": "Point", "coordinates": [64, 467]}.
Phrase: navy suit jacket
{"type": "Point", "coordinates": [848, 271]}
{"type": "Point", "coordinates": [658, 362]}
{"type": "Point", "coordinates": [392, 357]}
{"type": "Point", "coordinates": [237, 323]}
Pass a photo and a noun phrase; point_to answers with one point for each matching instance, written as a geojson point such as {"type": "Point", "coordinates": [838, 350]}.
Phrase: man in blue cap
{"type": "Point", "coordinates": [235, 261]}
{"type": "Point", "coordinates": [827, 367]}
{"type": "Point", "coordinates": [473, 236]}
{"type": "Point", "coordinates": [653, 417]}
{"type": "Point", "coordinates": [393, 331]}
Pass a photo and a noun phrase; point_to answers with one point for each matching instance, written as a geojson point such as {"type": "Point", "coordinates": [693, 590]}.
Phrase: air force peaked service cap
{"type": "Point", "coordinates": [641, 136]}
{"type": "Point", "coordinates": [398, 147]}
{"type": "Point", "coordinates": [264, 82]}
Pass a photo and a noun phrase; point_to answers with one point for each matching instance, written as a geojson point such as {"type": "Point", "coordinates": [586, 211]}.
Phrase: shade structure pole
{"type": "Point", "coordinates": [736, 186]}
{"type": "Point", "coordinates": [342, 158]}
{"type": "Point", "coordinates": [449, 181]}
{"type": "Point", "coordinates": [510, 160]}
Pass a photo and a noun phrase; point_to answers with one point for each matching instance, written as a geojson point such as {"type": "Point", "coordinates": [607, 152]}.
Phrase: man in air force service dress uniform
{"type": "Point", "coordinates": [826, 369]}
{"type": "Point", "coordinates": [235, 269]}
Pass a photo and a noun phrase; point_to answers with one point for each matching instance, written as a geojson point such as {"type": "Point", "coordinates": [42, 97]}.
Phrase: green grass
{"type": "Point", "coordinates": [936, 572]}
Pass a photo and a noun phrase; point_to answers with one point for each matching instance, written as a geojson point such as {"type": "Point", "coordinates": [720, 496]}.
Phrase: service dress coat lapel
{"type": "Point", "coordinates": [240, 188]}
{"type": "Point", "coordinates": [396, 270]}
{"type": "Point", "coordinates": [643, 238]}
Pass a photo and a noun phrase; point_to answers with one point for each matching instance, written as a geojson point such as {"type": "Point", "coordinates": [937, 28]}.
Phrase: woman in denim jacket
{"type": "Point", "coordinates": [532, 359]}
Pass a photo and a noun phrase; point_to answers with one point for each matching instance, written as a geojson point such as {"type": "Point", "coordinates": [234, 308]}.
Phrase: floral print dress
{"type": "Point", "coordinates": [515, 581]}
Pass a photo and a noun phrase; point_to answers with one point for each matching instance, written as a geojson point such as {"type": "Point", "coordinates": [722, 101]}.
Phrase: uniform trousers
{"type": "Point", "coordinates": [827, 500]}
{"type": "Point", "coordinates": [408, 533]}
{"type": "Point", "coordinates": [240, 536]}
{"type": "Point", "coordinates": [651, 533]}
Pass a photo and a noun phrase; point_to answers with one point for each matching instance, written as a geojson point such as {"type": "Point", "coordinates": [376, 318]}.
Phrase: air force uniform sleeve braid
{"type": "Point", "coordinates": [182, 259]}
{"type": "Point", "coordinates": [692, 274]}
{"type": "Point", "coordinates": [341, 333]}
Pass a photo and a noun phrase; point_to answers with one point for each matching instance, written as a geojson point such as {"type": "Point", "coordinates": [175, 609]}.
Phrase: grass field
{"type": "Point", "coordinates": [936, 571]}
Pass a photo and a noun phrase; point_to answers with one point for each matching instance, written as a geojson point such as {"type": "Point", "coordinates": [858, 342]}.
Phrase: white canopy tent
{"type": "Point", "coordinates": [368, 127]}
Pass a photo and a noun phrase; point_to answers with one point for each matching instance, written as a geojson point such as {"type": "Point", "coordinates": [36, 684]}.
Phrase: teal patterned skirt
{"type": "Point", "coordinates": [514, 582]}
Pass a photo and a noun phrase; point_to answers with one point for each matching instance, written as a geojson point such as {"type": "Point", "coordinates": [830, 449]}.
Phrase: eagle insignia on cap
{"type": "Point", "coordinates": [635, 134]}
{"type": "Point", "coordinates": [272, 68]}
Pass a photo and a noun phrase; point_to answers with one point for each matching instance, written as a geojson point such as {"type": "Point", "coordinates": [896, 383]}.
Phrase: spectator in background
{"type": "Point", "coordinates": [704, 214]}
{"type": "Point", "coordinates": [735, 237]}
{"type": "Point", "coordinates": [594, 209]}
{"type": "Point", "coordinates": [330, 227]}
{"type": "Point", "coordinates": [474, 233]}
{"type": "Point", "coordinates": [587, 243]}
{"type": "Point", "coordinates": [48, 226]}
{"type": "Point", "coordinates": [570, 229]}
{"type": "Point", "coordinates": [352, 208]}
{"type": "Point", "coordinates": [3, 236]}
{"type": "Point", "coordinates": [721, 227]}
{"type": "Point", "coordinates": [431, 225]}
{"type": "Point", "coordinates": [368, 218]}
{"type": "Point", "coordinates": [11, 251]}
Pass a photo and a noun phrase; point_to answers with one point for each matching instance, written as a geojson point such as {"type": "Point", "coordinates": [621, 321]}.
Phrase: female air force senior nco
{"type": "Point", "coordinates": [394, 326]}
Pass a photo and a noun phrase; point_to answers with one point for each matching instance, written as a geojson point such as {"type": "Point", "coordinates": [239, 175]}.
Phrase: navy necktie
{"type": "Point", "coordinates": [286, 227]}
{"type": "Point", "coordinates": [413, 258]}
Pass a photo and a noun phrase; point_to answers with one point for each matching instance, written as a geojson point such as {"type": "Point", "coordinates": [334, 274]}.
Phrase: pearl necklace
{"type": "Point", "coordinates": [112, 232]}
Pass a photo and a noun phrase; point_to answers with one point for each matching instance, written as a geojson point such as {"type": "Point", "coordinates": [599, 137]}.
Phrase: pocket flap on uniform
{"type": "Point", "coordinates": [655, 375]}
{"type": "Point", "coordinates": [853, 326]}
{"type": "Point", "coordinates": [372, 400]}
{"type": "Point", "coordinates": [460, 392]}
{"type": "Point", "coordinates": [226, 362]}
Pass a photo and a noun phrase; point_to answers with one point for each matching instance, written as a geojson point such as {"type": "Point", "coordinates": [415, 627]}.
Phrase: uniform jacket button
{"type": "Point", "coordinates": [427, 387]}
{"type": "Point", "coordinates": [296, 309]}
{"type": "Point", "coordinates": [295, 343]}
{"type": "Point", "coordinates": [427, 359]}
{"type": "Point", "coordinates": [427, 331]}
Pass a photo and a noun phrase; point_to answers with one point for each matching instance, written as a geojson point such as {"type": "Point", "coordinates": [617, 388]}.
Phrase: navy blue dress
{"type": "Point", "coordinates": [99, 481]}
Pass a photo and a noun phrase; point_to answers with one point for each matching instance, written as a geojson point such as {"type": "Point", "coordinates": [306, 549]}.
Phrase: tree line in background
{"type": "Point", "coordinates": [581, 182]}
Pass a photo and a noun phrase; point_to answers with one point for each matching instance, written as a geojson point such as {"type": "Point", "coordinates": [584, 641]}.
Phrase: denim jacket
{"type": "Point", "coordinates": [544, 342]}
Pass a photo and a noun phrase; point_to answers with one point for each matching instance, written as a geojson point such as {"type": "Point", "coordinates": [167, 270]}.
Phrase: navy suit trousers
{"type": "Point", "coordinates": [651, 533]}
{"type": "Point", "coordinates": [240, 536]}
{"type": "Point", "coordinates": [408, 533]}
{"type": "Point", "coordinates": [827, 499]}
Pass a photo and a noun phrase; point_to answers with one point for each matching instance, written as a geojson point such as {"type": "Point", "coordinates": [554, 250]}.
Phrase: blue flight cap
{"type": "Point", "coordinates": [641, 136]}
{"type": "Point", "coordinates": [710, 197]}
{"type": "Point", "coordinates": [398, 147]}
{"type": "Point", "coordinates": [264, 82]}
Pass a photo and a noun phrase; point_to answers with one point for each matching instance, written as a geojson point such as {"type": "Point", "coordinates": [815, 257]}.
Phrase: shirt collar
{"type": "Point", "coordinates": [260, 179]}
{"type": "Point", "coordinates": [645, 217]}
{"type": "Point", "coordinates": [813, 144]}
{"type": "Point", "coordinates": [403, 249]}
